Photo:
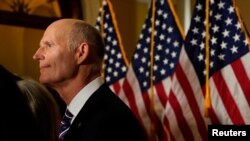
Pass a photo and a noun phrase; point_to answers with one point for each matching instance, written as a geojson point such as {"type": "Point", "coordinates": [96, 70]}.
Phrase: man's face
{"type": "Point", "coordinates": [56, 60]}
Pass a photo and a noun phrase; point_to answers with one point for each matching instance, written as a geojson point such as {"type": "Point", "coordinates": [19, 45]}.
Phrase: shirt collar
{"type": "Point", "coordinates": [83, 95]}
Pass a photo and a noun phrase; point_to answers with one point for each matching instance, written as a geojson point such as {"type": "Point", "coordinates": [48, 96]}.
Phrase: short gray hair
{"type": "Point", "coordinates": [84, 32]}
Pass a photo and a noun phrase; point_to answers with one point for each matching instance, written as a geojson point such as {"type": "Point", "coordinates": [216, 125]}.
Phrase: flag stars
{"type": "Point", "coordinates": [108, 38]}
{"type": "Point", "coordinates": [105, 57]}
{"type": "Point", "coordinates": [234, 49]}
{"type": "Point", "coordinates": [148, 40]}
{"type": "Point", "coordinates": [97, 27]}
{"type": "Point", "coordinates": [167, 51]}
{"type": "Point", "coordinates": [225, 33]}
{"type": "Point", "coordinates": [145, 50]}
{"type": "Point", "coordinates": [138, 46]}
{"type": "Point", "coordinates": [155, 67]}
{"type": "Point", "coordinates": [149, 30]}
{"type": "Point", "coordinates": [246, 42]}
{"type": "Point", "coordinates": [143, 60]}
{"type": "Point", "coordinates": [210, 13]}
{"type": "Point", "coordinates": [204, 22]}
{"type": "Point", "coordinates": [163, 71]}
{"type": "Point", "coordinates": [159, 47]}
{"type": "Point", "coordinates": [105, 26]}
{"type": "Point", "coordinates": [193, 42]}
{"type": "Point", "coordinates": [168, 40]}
{"type": "Point", "coordinates": [111, 61]}
{"type": "Point", "coordinates": [221, 5]}
{"type": "Point", "coordinates": [228, 21]}
{"type": "Point", "coordinates": [238, 25]}
{"type": "Point", "coordinates": [231, 9]}
{"type": "Point", "coordinates": [162, 37]}
{"type": "Point", "coordinates": [113, 51]}
{"type": "Point", "coordinates": [165, 15]}
{"type": "Point", "coordinates": [170, 29]}
{"type": "Point", "coordinates": [165, 61]}
{"type": "Point", "coordinates": [144, 26]}
{"type": "Point", "coordinates": [176, 44]}
{"type": "Point", "coordinates": [162, 2]}
{"type": "Point", "coordinates": [199, 7]}
{"type": "Point", "coordinates": [98, 19]}
{"type": "Point", "coordinates": [141, 36]}
{"type": "Point", "coordinates": [110, 29]}
{"type": "Point", "coordinates": [211, 64]}
{"type": "Point", "coordinates": [218, 17]}
{"type": "Point", "coordinates": [171, 65]}
{"type": "Point", "coordinates": [136, 56]}
{"type": "Point", "coordinates": [109, 70]}
{"type": "Point", "coordinates": [197, 18]}
{"type": "Point", "coordinates": [159, 12]}
{"type": "Point", "coordinates": [223, 45]}
{"type": "Point", "coordinates": [173, 54]}
{"type": "Point", "coordinates": [221, 57]}
{"type": "Point", "coordinates": [114, 43]}
{"type": "Point", "coordinates": [108, 79]}
{"type": "Point", "coordinates": [203, 34]}
{"type": "Point", "coordinates": [213, 40]}
{"type": "Point", "coordinates": [204, 72]}
{"type": "Point", "coordinates": [215, 28]}
{"type": "Point", "coordinates": [164, 26]}
{"type": "Point", "coordinates": [157, 22]}
{"type": "Point", "coordinates": [124, 68]}
{"type": "Point", "coordinates": [115, 74]}
{"type": "Point", "coordinates": [202, 46]}
{"type": "Point", "coordinates": [195, 30]}
{"type": "Point", "coordinates": [157, 57]}
{"type": "Point", "coordinates": [119, 55]}
{"type": "Point", "coordinates": [107, 47]}
{"type": "Point", "coordinates": [148, 63]}
{"type": "Point", "coordinates": [145, 84]}
{"type": "Point", "coordinates": [117, 64]}
{"type": "Point", "coordinates": [212, 52]}
{"type": "Point", "coordinates": [141, 70]}
{"type": "Point", "coordinates": [155, 33]}
{"type": "Point", "coordinates": [236, 37]}
{"type": "Point", "coordinates": [200, 57]}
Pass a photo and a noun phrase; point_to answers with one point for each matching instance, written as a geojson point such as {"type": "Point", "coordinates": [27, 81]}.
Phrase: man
{"type": "Point", "coordinates": [70, 58]}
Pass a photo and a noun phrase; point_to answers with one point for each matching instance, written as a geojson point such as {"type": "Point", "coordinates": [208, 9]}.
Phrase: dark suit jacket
{"type": "Point", "coordinates": [105, 117]}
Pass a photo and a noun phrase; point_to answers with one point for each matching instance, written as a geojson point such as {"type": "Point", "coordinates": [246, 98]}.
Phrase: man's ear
{"type": "Point", "coordinates": [82, 52]}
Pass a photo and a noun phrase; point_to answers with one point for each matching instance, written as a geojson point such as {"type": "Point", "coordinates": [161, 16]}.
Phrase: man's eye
{"type": "Point", "coordinates": [49, 45]}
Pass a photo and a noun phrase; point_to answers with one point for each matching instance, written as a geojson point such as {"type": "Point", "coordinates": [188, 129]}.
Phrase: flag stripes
{"type": "Point", "coordinates": [166, 82]}
{"type": "Point", "coordinates": [115, 61]}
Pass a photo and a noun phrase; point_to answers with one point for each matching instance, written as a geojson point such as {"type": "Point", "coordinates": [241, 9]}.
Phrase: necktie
{"type": "Point", "coordinates": [65, 123]}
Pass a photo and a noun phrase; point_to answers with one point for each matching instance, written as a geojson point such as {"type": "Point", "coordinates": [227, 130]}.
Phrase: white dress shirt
{"type": "Point", "coordinates": [83, 95]}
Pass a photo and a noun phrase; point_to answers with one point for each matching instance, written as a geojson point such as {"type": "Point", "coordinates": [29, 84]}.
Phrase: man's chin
{"type": "Point", "coordinates": [44, 81]}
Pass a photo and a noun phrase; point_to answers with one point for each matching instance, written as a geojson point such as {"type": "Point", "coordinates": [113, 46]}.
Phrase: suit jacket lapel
{"type": "Point", "coordinates": [92, 105]}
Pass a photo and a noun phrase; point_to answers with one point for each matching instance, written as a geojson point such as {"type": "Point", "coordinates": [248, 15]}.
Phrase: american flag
{"type": "Point", "coordinates": [228, 67]}
{"type": "Point", "coordinates": [229, 64]}
{"type": "Point", "coordinates": [228, 52]}
{"type": "Point", "coordinates": [184, 112]}
{"type": "Point", "coordinates": [148, 81]}
{"type": "Point", "coordinates": [115, 62]}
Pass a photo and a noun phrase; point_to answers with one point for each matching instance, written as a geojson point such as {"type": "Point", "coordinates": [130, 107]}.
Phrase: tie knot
{"type": "Point", "coordinates": [67, 117]}
{"type": "Point", "coordinates": [68, 114]}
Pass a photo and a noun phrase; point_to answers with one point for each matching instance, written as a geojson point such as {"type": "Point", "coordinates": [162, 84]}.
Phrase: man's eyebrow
{"type": "Point", "coordinates": [46, 43]}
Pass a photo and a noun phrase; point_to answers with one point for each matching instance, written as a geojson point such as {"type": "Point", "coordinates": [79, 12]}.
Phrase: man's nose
{"type": "Point", "coordinates": [38, 54]}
